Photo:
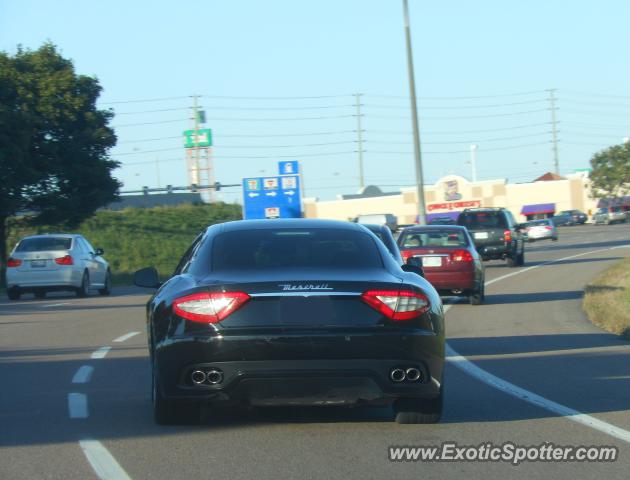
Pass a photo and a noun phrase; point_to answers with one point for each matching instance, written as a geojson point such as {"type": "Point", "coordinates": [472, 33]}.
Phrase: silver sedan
{"type": "Point", "coordinates": [42, 263]}
{"type": "Point", "coordinates": [543, 229]}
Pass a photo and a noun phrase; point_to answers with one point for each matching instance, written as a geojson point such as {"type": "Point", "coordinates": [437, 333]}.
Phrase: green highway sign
{"type": "Point", "coordinates": [202, 139]}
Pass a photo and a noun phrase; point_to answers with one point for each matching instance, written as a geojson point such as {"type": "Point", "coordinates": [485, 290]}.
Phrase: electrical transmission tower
{"type": "Point", "coordinates": [198, 144]}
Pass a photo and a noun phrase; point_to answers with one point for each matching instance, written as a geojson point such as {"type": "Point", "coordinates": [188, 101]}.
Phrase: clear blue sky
{"type": "Point", "coordinates": [146, 50]}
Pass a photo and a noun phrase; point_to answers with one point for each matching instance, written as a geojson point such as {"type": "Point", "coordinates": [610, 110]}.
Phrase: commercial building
{"type": "Point", "coordinates": [543, 196]}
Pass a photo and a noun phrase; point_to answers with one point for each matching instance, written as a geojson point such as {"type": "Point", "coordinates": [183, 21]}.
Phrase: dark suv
{"type": "Point", "coordinates": [495, 233]}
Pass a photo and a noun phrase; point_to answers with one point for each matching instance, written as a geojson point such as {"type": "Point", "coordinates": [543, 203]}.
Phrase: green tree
{"type": "Point", "coordinates": [54, 142]}
{"type": "Point", "coordinates": [611, 172]}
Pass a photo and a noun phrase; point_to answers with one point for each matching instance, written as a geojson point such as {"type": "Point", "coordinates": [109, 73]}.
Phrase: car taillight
{"type": "Point", "coordinates": [461, 256]}
{"type": "Point", "coordinates": [14, 262]}
{"type": "Point", "coordinates": [548, 227]}
{"type": "Point", "coordinates": [209, 307]}
{"type": "Point", "coordinates": [405, 254]}
{"type": "Point", "coordinates": [397, 305]}
{"type": "Point", "coordinates": [67, 260]}
{"type": "Point", "coordinates": [507, 235]}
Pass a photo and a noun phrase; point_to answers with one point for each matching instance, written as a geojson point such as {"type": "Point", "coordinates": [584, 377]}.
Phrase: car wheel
{"type": "Point", "coordinates": [554, 239]}
{"type": "Point", "coordinates": [418, 410]}
{"type": "Point", "coordinates": [84, 289]}
{"type": "Point", "coordinates": [520, 259]}
{"type": "Point", "coordinates": [14, 293]}
{"type": "Point", "coordinates": [40, 294]}
{"type": "Point", "coordinates": [107, 289]}
{"type": "Point", "coordinates": [511, 262]}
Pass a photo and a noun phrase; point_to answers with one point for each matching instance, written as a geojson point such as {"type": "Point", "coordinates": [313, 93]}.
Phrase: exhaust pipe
{"type": "Point", "coordinates": [198, 377]}
{"type": "Point", "coordinates": [214, 376]}
{"type": "Point", "coordinates": [413, 374]}
{"type": "Point", "coordinates": [397, 375]}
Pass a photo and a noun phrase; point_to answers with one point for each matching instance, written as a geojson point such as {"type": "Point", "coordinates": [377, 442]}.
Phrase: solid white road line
{"type": "Point", "coordinates": [55, 305]}
{"type": "Point", "coordinates": [83, 374]}
{"type": "Point", "coordinates": [77, 405]}
{"type": "Point", "coordinates": [126, 337]}
{"type": "Point", "coordinates": [105, 466]}
{"type": "Point", "coordinates": [101, 352]}
{"type": "Point", "coordinates": [473, 370]}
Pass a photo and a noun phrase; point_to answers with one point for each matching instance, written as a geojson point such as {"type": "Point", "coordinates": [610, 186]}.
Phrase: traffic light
{"type": "Point", "coordinates": [169, 189]}
{"type": "Point", "coordinates": [217, 186]}
{"type": "Point", "coordinates": [193, 187]}
{"type": "Point", "coordinates": [201, 116]}
{"type": "Point", "coordinates": [145, 190]}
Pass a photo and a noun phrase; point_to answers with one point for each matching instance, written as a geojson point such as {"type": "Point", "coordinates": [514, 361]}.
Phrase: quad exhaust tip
{"type": "Point", "coordinates": [409, 374]}
{"type": "Point", "coordinates": [205, 377]}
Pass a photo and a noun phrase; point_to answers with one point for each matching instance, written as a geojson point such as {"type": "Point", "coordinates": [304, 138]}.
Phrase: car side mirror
{"type": "Point", "coordinates": [147, 278]}
{"type": "Point", "coordinates": [414, 265]}
{"type": "Point", "coordinates": [98, 252]}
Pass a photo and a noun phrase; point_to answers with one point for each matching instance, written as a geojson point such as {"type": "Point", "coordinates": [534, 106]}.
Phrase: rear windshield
{"type": "Point", "coordinates": [481, 220]}
{"type": "Point", "coordinates": [43, 244]}
{"type": "Point", "coordinates": [538, 223]}
{"type": "Point", "coordinates": [288, 248]}
{"type": "Point", "coordinates": [434, 238]}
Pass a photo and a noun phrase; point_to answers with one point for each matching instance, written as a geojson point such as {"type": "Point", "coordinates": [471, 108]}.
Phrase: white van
{"type": "Point", "coordinates": [386, 219]}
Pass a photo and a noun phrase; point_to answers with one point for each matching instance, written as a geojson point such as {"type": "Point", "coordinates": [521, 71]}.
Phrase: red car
{"type": "Point", "coordinates": [449, 259]}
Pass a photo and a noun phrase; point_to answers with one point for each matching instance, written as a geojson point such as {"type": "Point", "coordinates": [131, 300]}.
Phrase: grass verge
{"type": "Point", "coordinates": [607, 299]}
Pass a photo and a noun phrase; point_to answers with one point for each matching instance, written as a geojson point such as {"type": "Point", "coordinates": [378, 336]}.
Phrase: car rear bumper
{"type": "Point", "coordinates": [314, 370]}
{"type": "Point", "coordinates": [459, 280]}
{"type": "Point", "coordinates": [29, 279]}
{"type": "Point", "coordinates": [489, 252]}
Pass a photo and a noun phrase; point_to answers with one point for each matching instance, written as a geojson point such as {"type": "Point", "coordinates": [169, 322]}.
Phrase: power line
{"type": "Point", "coordinates": [591, 112]}
{"type": "Point", "coordinates": [285, 119]}
{"type": "Point", "coordinates": [493, 115]}
{"type": "Point", "coordinates": [265, 135]}
{"type": "Point", "coordinates": [404, 97]}
{"type": "Point", "coordinates": [245, 157]}
{"type": "Point", "coordinates": [151, 123]}
{"type": "Point", "coordinates": [451, 132]}
{"type": "Point", "coordinates": [146, 100]}
{"type": "Point", "coordinates": [149, 139]}
{"type": "Point", "coordinates": [153, 111]}
{"type": "Point", "coordinates": [456, 107]}
{"type": "Point", "coordinates": [461, 151]}
{"type": "Point", "coordinates": [316, 97]}
{"type": "Point", "coordinates": [590, 94]}
{"type": "Point", "coordinates": [464, 142]}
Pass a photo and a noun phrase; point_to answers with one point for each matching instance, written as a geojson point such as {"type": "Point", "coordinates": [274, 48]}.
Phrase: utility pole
{"type": "Point", "coordinates": [554, 129]}
{"type": "Point", "coordinates": [360, 139]}
{"type": "Point", "coordinates": [422, 217]}
{"type": "Point", "coordinates": [196, 176]}
{"type": "Point", "coordinates": [473, 161]}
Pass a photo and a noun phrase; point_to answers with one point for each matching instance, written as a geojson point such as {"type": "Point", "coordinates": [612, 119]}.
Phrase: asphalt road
{"type": "Point", "coordinates": [72, 409]}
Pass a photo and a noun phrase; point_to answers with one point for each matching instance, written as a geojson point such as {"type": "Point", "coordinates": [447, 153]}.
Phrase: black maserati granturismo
{"type": "Point", "coordinates": [294, 312]}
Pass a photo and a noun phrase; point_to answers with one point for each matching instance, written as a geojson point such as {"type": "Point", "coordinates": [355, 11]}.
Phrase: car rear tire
{"type": "Point", "coordinates": [520, 259]}
{"type": "Point", "coordinates": [478, 297]}
{"type": "Point", "coordinates": [14, 294]}
{"type": "Point", "coordinates": [40, 294]}
{"type": "Point", "coordinates": [511, 262]}
{"type": "Point", "coordinates": [418, 410]}
{"type": "Point", "coordinates": [84, 289]}
{"type": "Point", "coordinates": [107, 289]}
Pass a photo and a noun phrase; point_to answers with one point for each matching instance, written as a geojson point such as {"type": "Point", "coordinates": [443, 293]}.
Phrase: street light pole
{"type": "Point", "coordinates": [422, 217]}
{"type": "Point", "coordinates": [473, 161]}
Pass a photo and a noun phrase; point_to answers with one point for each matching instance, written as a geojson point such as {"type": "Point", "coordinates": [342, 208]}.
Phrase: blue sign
{"type": "Point", "coordinates": [272, 197]}
{"type": "Point", "coordinates": [288, 167]}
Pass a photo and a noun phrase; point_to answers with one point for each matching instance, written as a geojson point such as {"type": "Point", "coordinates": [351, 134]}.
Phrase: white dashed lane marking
{"type": "Point", "coordinates": [126, 337]}
{"type": "Point", "coordinates": [101, 352]}
{"type": "Point", "coordinates": [83, 374]}
{"type": "Point", "coordinates": [104, 464]}
{"type": "Point", "coordinates": [77, 405]}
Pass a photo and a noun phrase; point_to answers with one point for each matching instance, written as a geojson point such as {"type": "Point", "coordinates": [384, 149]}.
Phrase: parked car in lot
{"type": "Point", "coordinates": [608, 215]}
{"type": "Point", "coordinates": [385, 235]}
{"type": "Point", "coordinates": [578, 216]}
{"type": "Point", "coordinates": [543, 229]}
{"type": "Point", "coordinates": [563, 220]}
{"type": "Point", "coordinates": [495, 233]}
{"type": "Point", "coordinates": [293, 312]}
{"type": "Point", "coordinates": [449, 259]}
{"type": "Point", "coordinates": [44, 263]}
